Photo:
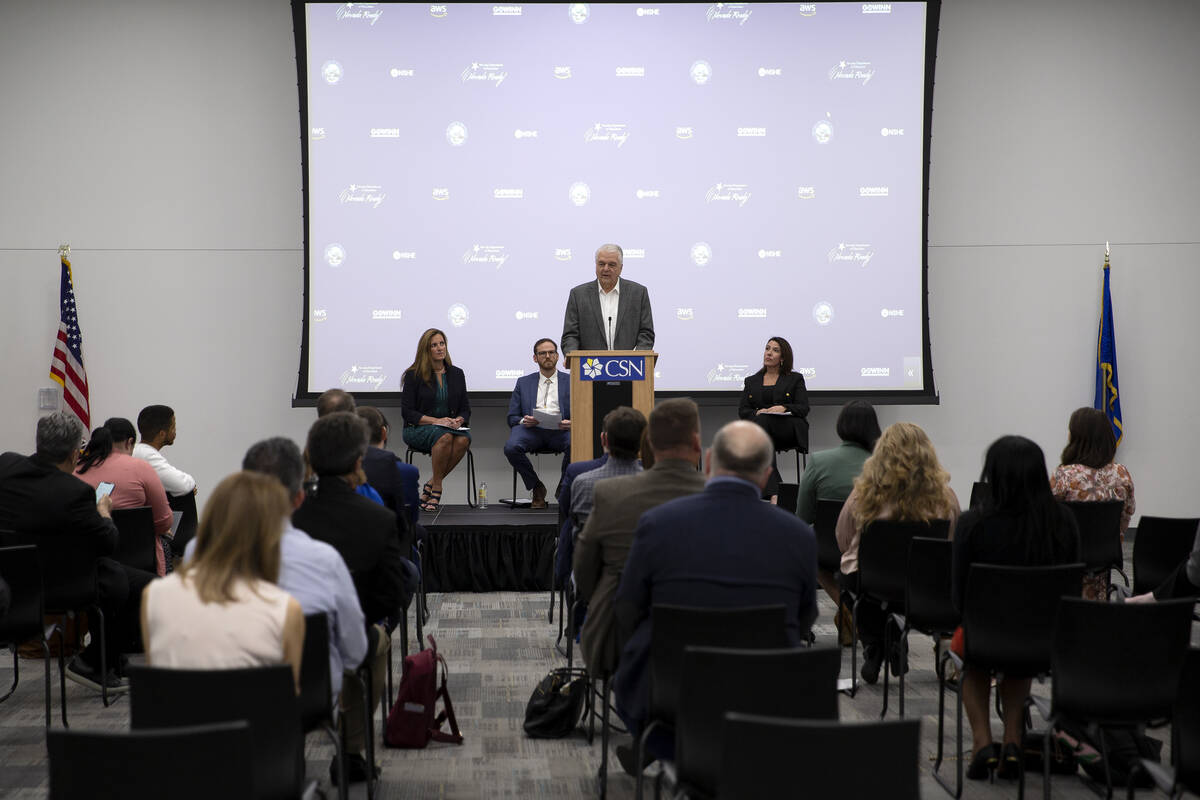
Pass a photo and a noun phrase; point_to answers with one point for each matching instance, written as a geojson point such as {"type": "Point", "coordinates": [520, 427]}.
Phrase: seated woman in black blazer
{"type": "Point", "coordinates": [769, 393]}
{"type": "Point", "coordinates": [436, 411]}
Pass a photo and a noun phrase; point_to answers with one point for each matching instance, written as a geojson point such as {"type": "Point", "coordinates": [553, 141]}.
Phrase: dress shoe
{"type": "Point", "coordinates": [897, 659]}
{"type": "Point", "coordinates": [872, 661]}
{"type": "Point", "coordinates": [356, 769]}
{"type": "Point", "coordinates": [626, 756]}
{"type": "Point", "coordinates": [984, 763]}
{"type": "Point", "coordinates": [539, 496]}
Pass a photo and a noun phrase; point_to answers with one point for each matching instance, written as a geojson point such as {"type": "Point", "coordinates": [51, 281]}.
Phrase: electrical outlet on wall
{"type": "Point", "coordinates": [48, 399]}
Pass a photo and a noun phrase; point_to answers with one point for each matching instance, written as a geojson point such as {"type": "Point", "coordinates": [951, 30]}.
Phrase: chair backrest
{"type": "Point", "coordinates": [188, 523]}
{"type": "Point", "coordinates": [19, 569]}
{"type": "Point", "coordinates": [1009, 613]}
{"type": "Point", "coordinates": [1119, 662]}
{"type": "Point", "coordinates": [1185, 727]}
{"type": "Point", "coordinates": [829, 555]}
{"type": "Point", "coordinates": [263, 696]}
{"type": "Point", "coordinates": [1161, 545]}
{"type": "Point", "coordinates": [1099, 533]}
{"type": "Point", "coordinates": [216, 762]}
{"type": "Point", "coordinates": [799, 682]}
{"type": "Point", "coordinates": [762, 757]}
{"type": "Point", "coordinates": [68, 568]}
{"type": "Point", "coordinates": [316, 685]}
{"type": "Point", "coordinates": [789, 494]}
{"type": "Point", "coordinates": [675, 627]}
{"type": "Point", "coordinates": [979, 493]}
{"type": "Point", "coordinates": [883, 555]}
{"type": "Point", "coordinates": [928, 601]}
{"type": "Point", "coordinates": [136, 545]}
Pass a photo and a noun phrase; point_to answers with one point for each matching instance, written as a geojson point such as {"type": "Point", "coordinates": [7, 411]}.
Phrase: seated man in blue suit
{"type": "Point", "coordinates": [547, 390]}
{"type": "Point", "coordinates": [721, 548]}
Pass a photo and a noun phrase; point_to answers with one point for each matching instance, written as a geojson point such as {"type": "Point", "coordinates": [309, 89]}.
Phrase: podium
{"type": "Point", "coordinates": [601, 380]}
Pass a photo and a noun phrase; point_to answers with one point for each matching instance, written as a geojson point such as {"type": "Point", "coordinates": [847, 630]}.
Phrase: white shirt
{"type": "Point", "coordinates": [608, 310]}
{"type": "Point", "coordinates": [547, 396]}
{"type": "Point", "coordinates": [175, 481]}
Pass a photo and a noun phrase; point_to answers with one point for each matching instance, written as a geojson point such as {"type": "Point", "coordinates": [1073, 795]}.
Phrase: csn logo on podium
{"type": "Point", "coordinates": [614, 368]}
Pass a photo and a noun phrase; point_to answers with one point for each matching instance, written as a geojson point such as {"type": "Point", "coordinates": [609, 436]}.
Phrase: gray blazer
{"type": "Point", "coordinates": [584, 325]}
{"type": "Point", "coordinates": [604, 543]}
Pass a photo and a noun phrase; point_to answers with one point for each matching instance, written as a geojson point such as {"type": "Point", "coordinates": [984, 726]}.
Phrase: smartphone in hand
{"type": "Point", "coordinates": [104, 490]}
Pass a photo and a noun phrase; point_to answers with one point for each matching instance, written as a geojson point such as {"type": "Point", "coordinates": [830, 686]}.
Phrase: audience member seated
{"type": "Point", "coordinates": [1019, 524]}
{"type": "Point", "coordinates": [604, 542]}
{"type": "Point", "coordinates": [830, 474]}
{"type": "Point", "coordinates": [621, 437]}
{"type": "Point", "coordinates": [386, 472]}
{"type": "Point", "coordinates": [223, 609]}
{"type": "Point", "coordinates": [549, 391]}
{"type": "Point", "coordinates": [721, 548]}
{"type": "Point", "coordinates": [1088, 473]}
{"type": "Point", "coordinates": [156, 424]}
{"type": "Point", "coordinates": [365, 534]}
{"type": "Point", "coordinates": [108, 459]}
{"type": "Point", "coordinates": [775, 398]}
{"type": "Point", "coordinates": [40, 495]}
{"type": "Point", "coordinates": [331, 401]}
{"type": "Point", "coordinates": [902, 480]}
{"type": "Point", "coordinates": [1183, 582]}
{"type": "Point", "coordinates": [436, 411]}
{"type": "Point", "coordinates": [565, 551]}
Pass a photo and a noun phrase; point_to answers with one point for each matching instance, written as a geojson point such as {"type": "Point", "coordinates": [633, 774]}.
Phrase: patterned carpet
{"type": "Point", "coordinates": [498, 646]}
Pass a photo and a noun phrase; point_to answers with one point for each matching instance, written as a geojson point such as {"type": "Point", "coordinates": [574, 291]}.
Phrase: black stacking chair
{"type": "Point", "coordinates": [25, 618]}
{"type": "Point", "coordinates": [789, 495]}
{"type": "Point", "coordinates": [265, 697]}
{"type": "Point", "coordinates": [105, 765]}
{"type": "Point", "coordinates": [471, 491]}
{"type": "Point", "coordinates": [137, 545]}
{"type": "Point", "coordinates": [1008, 627]}
{"type": "Point", "coordinates": [829, 555]}
{"type": "Point", "coordinates": [513, 502]}
{"type": "Point", "coordinates": [69, 583]}
{"type": "Point", "coordinates": [882, 576]}
{"type": "Point", "coordinates": [800, 683]}
{"type": "Point", "coordinates": [1100, 537]}
{"type": "Point", "coordinates": [676, 627]}
{"type": "Point", "coordinates": [928, 601]}
{"type": "Point", "coordinates": [186, 531]}
{"type": "Point", "coordinates": [1116, 665]}
{"type": "Point", "coordinates": [1185, 737]}
{"type": "Point", "coordinates": [316, 689]}
{"type": "Point", "coordinates": [1160, 546]}
{"type": "Point", "coordinates": [770, 757]}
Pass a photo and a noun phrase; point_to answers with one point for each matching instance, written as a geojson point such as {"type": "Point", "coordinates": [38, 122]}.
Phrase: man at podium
{"type": "Point", "coordinates": [608, 313]}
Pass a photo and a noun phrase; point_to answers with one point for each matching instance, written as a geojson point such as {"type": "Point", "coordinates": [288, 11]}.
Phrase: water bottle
{"type": "Point", "coordinates": [483, 495]}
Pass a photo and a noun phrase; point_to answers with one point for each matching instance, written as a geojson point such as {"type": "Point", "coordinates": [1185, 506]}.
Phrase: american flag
{"type": "Point", "coordinates": [66, 365]}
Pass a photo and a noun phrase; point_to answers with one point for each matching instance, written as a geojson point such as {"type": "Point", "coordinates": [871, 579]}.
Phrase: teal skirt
{"type": "Point", "coordinates": [423, 437]}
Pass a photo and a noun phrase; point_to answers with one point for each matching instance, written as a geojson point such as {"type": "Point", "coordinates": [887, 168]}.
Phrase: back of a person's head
{"type": "Point", "coordinates": [335, 443]}
{"type": "Point", "coordinates": [673, 424]}
{"type": "Point", "coordinates": [100, 445]}
{"type": "Point", "coordinates": [623, 426]}
{"type": "Point", "coordinates": [280, 458]}
{"type": "Point", "coordinates": [858, 424]}
{"type": "Point", "coordinates": [333, 400]}
{"type": "Point", "coordinates": [375, 422]}
{"type": "Point", "coordinates": [153, 420]}
{"type": "Point", "coordinates": [742, 449]}
{"type": "Point", "coordinates": [1019, 490]}
{"type": "Point", "coordinates": [238, 537]}
{"type": "Point", "coordinates": [1090, 439]}
{"type": "Point", "coordinates": [58, 436]}
{"type": "Point", "coordinates": [904, 474]}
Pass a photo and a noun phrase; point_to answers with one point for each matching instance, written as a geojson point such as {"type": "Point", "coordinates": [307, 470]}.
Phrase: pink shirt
{"type": "Point", "coordinates": [135, 484]}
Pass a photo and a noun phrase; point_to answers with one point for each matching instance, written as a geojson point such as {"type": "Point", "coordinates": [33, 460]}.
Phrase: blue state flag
{"type": "Point", "coordinates": [1108, 397]}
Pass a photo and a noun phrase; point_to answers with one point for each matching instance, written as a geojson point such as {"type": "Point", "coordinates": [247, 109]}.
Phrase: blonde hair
{"type": "Point", "coordinates": [422, 365]}
{"type": "Point", "coordinates": [239, 534]}
{"type": "Point", "coordinates": [902, 474]}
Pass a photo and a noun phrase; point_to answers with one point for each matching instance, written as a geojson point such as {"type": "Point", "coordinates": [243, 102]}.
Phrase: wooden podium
{"type": "Point", "coordinates": [601, 380]}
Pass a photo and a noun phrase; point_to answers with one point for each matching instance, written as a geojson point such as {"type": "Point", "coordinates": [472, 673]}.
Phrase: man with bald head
{"type": "Point", "coordinates": [608, 313]}
{"type": "Point", "coordinates": [721, 548]}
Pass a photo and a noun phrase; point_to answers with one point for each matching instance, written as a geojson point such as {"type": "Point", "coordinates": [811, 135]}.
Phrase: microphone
{"type": "Point", "coordinates": [610, 336]}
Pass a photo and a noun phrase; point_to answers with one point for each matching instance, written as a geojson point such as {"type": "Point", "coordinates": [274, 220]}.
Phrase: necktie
{"type": "Point", "coordinates": [545, 395]}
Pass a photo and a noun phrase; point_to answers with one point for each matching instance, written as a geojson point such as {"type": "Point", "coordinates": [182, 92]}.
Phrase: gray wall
{"type": "Point", "coordinates": [161, 140]}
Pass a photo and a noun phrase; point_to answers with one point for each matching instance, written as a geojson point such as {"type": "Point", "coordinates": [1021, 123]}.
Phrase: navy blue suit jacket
{"type": "Point", "coordinates": [722, 548]}
{"type": "Point", "coordinates": [525, 396]}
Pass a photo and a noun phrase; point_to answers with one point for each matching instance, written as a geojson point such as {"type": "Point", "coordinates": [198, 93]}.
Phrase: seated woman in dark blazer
{"type": "Point", "coordinates": [768, 394]}
{"type": "Point", "coordinates": [436, 411]}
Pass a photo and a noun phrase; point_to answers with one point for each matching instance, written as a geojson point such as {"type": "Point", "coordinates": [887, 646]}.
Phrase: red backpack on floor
{"type": "Point", "coordinates": [411, 722]}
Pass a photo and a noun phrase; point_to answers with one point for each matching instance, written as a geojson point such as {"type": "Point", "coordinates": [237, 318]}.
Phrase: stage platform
{"type": "Point", "coordinates": [497, 549]}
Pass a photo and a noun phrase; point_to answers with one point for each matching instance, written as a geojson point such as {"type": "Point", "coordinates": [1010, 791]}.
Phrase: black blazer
{"type": "Point", "coordinates": [39, 498]}
{"type": "Point", "coordinates": [417, 397]}
{"type": "Point", "coordinates": [790, 393]}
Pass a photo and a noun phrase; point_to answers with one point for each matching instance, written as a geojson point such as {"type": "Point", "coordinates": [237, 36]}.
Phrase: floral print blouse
{"type": "Point", "coordinates": [1075, 482]}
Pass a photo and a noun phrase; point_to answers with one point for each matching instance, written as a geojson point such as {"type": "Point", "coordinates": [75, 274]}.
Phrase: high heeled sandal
{"type": "Point", "coordinates": [1010, 762]}
{"type": "Point", "coordinates": [432, 501]}
{"type": "Point", "coordinates": [984, 763]}
{"type": "Point", "coordinates": [425, 493]}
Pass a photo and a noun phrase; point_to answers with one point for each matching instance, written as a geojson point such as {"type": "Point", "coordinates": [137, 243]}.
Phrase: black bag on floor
{"type": "Point", "coordinates": [557, 703]}
{"type": "Point", "coordinates": [1124, 749]}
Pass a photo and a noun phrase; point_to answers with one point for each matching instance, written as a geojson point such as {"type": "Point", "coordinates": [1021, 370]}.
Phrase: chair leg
{"type": "Point", "coordinates": [103, 659]}
{"type": "Point", "coordinates": [62, 670]}
{"type": "Point", "coordinates": [369, 735]}
{"type": "Point", "coordinates": [46, 664]}
{"type": "Point", "coordinates": [887, 629]}
{"type": "Point", "coordinates": [904, 651]}
{"type": "Point", "coordinates": [340, 754]}
{"type": "Point", "coordinates": [571, 636]}
{"type": "Point", "coordinates": [937, 764]}
{"type": "Point", "coordinates": [604, 738]}
{"type": "Point", "coordinates": [17, 676]}
{"type": "Point", "coordinates": [471, 491]}
{"type": "Point", "coordinates": [854, 647]}
{"type": "Point", "coordinates": [639, 753]}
